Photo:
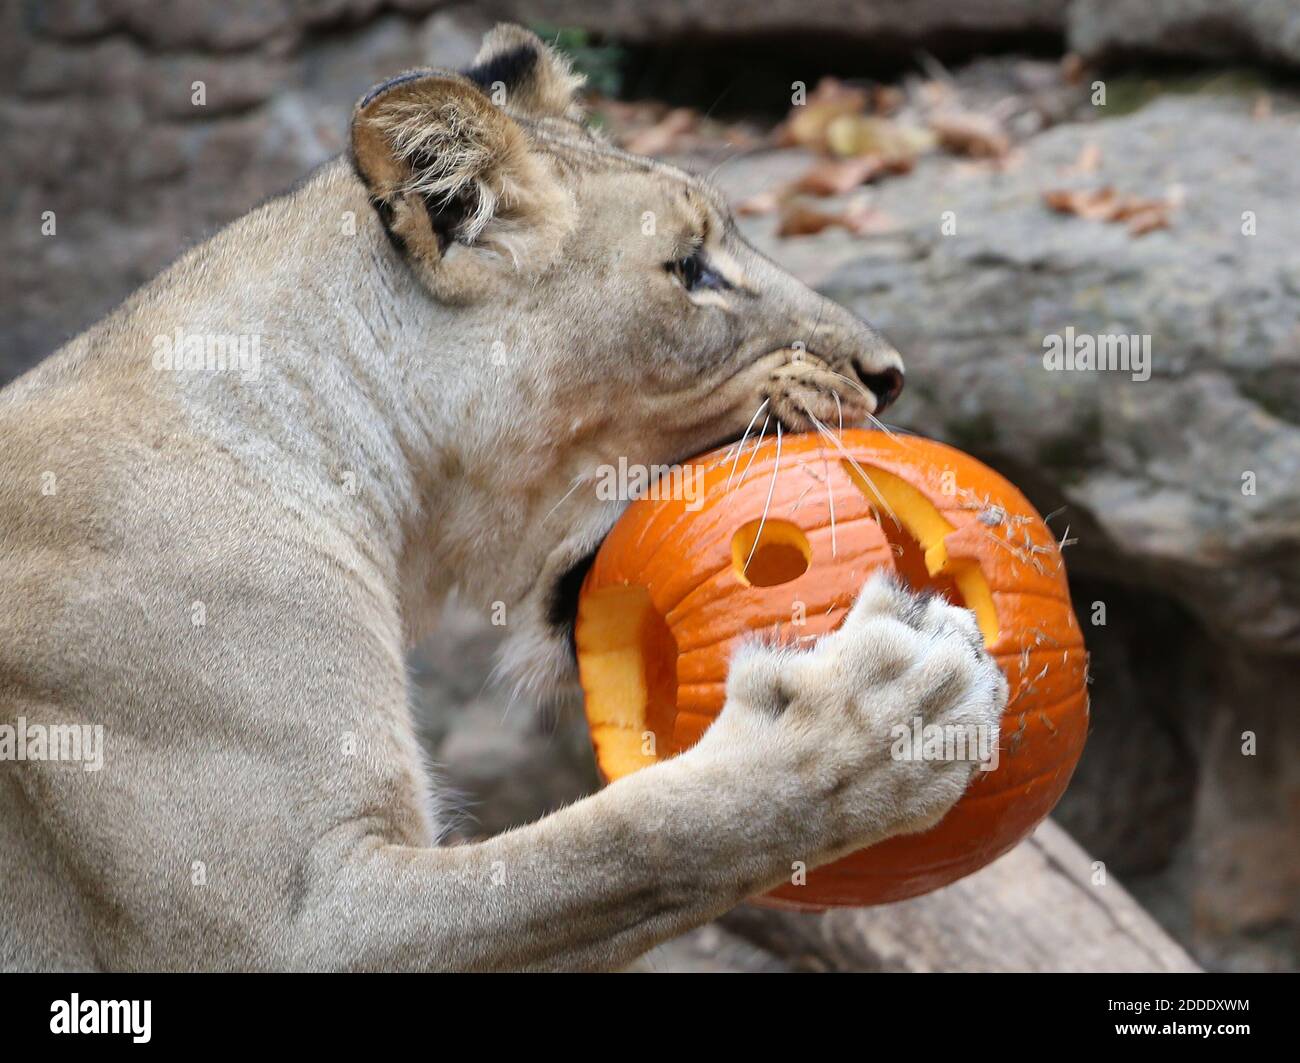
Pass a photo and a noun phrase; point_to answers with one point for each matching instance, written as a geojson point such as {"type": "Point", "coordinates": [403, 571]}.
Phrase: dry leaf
{"type": "Point", "coordinates": [1148, 220]}
{"type": "Point", "coordinates": [887, 99]}
{"type": "Point", "coordinates": [832, 177]}
{"type": "Point", "coordinates": [968, 133]}
{"type": "Point", "coordinates": [1073, 67]}
{"type": "Point", "coordinates": [624, 119]}
{"type": "Point", "coordinates": [863, 220]}
{"type": "Point", "coordinates": [857, 134]}
{"type": "Point", "coordinates": [762, 203]}
{"type": "Point", "coordinates": [806, 124]}
{"type": "Point", "coordinates": [797, 219]}
{"type": "Point", "coordinates": [1105, 204]}
{"type": "Point", "coordinates": [1089, 160]}
{"type": "Point", "coordinates": [934, 94]}
{"type": "Point", "coordinates": [1095, 203]}
{"type": "Point", "coordinates": [661, 137]}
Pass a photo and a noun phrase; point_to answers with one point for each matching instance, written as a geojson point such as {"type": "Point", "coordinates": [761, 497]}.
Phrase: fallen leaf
{"type": "Point", "coordinates": [806, 124]}
{"type": "Point", "coordinates": [661, 137]}
{"type": "Point", "coordinates": [1094, 203]}
{"type": "Point", "coordinates": [1089, 160]}
{"type": "Point", "coordinates": [1105, 204]}
{"type": "Point", "coordinates": [625, 118]}
{"type": "Point", "coordinates": [834, 177]}
{"type": "Point", "coordinates": [887, 99]}
{"type": "Point", "coordinates": [798, 219]}
{"type": "Point", "coordinates": [935, 93]}
{"type": "Point", "coordinates": [1144, 221]}
{"type": "Point", "coordinates": [863, 220]}
{"type": "Point", "coordinates": [1010, 162]}
{"type": "Point", "coordinates": [858, 134]}
{"type": "Point", "coordinates": [762, 203]}
{"type": "Point", "coordinates": [1073, 67]}
{"type": "Point", "coordinates": [968, 133]}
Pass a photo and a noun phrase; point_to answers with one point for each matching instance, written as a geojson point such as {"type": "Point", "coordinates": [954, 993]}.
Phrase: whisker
{"type": "Point", "coordinates": [857, 467]}
{"type": "Point", "coordinates": [830, 495]}
{"type": "Point", "coordinates": [856, 385]}
{"type": "Point", "coordinates": [578, 481]}
{"type": "Point", "coordinates": [897, 430]}
{"type": "Point", "coordinates": [758, 443]}
{"type": "Point", "coordinates": [859, 387]}
{"type": "Point", "coordinates": [883, 427]}
{"type": "Point", "coordinates": [771, 487]}
{"type": "Point", "coordinates": [740, 449]}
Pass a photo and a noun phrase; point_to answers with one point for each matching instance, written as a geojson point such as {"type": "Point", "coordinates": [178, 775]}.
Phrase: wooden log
{"type": "Point", "coordinates": [1035, 909]}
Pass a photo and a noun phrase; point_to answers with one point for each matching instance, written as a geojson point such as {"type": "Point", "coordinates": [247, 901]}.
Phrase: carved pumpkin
{"type": "Point", "coordinates": [678, 582]}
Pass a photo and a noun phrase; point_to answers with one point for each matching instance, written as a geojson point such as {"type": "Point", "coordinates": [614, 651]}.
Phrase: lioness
{"type": "Point", "coordinates": [452, 327]}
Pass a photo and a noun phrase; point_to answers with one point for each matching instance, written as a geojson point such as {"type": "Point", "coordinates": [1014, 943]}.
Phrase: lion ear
{"type": "Point", "coordinates": [444, 165]}
{"type": "Point", "coordinates": [521, 73]}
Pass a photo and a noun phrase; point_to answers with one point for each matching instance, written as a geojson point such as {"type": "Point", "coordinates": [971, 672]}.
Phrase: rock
{"type": "Point", "coordinates": [103, 132]}
{"type": "Point", "coordinates": [197, 87]}
{"type": "Point", "coordinates": [1183, 489]}
{"type": "Point", "coordinates": [74, 19]}
{"type": "Point", "coordinates": [1216, 30]}
{"type": "Point", "coordinates": [916, 20]}
{"type": "Point", "coordinates": [1210, 30]}
{"type": "Point", "coordinates": [181, 24]}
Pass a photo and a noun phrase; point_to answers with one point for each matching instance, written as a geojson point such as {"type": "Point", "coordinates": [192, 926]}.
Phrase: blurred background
{"type": "Point", "coordinates": [970, 178]}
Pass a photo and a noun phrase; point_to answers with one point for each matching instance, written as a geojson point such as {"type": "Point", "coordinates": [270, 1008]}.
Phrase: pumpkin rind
{"type": "Point", "coordinates": [695, 607]}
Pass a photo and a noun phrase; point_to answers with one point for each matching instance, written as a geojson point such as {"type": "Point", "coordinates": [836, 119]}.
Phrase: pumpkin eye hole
{"type": "Point", "coordinates": [769, 553]}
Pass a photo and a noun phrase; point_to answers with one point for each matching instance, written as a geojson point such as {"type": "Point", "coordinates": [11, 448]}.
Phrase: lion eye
{"type": "Point", "coordinates": [695, 273]}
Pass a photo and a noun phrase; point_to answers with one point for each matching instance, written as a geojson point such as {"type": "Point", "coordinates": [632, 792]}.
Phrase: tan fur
{"type": "Point", "coordinates": [417, 425]}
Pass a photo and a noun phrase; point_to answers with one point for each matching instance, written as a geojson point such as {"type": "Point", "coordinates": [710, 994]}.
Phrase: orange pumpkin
{"type": "Point", "coordinates": [678, 582]}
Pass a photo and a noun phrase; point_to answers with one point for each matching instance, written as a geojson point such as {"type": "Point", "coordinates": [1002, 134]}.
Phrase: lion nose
{"type": "Point", "coordinates": [884, 385]}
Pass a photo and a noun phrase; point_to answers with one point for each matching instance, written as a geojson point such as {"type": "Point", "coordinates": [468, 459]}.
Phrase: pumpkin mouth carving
{"type": "Point", "coordinates": [921, 548]}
